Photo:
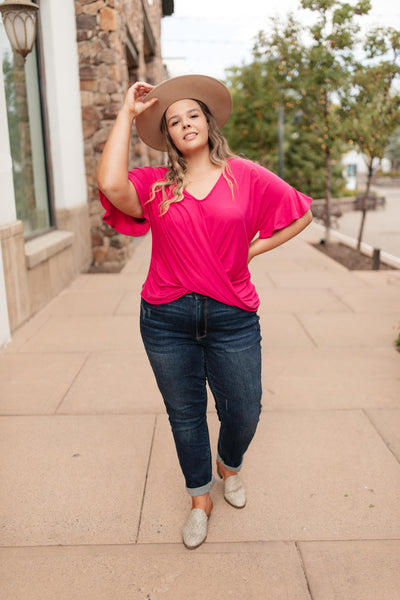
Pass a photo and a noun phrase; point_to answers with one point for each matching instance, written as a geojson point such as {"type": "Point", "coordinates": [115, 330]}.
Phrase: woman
{"type": "Point", "coordinates": [199, 317]}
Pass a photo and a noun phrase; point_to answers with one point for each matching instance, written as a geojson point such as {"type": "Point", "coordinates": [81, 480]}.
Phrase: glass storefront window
{"type": "Point", "coordinates": [21, 82]}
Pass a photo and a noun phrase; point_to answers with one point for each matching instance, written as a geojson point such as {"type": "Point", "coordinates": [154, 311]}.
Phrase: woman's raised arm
{"type": "Point", "coordinates": [112, 171]}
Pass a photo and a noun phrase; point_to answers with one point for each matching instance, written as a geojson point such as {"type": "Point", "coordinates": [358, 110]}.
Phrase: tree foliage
{"type": "Point", "coordinates": [369, 104]}
{"type": "Point", "coordinates": [252, 128]}
{"type": "Point", "coordinates": [314, 72]}
{"type": "Point", "coordinates": [370, 107]}
{"type": "Point", "coordinates": [392, 151]}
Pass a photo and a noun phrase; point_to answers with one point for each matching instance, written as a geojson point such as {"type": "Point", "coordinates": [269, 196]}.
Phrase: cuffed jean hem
{"type": "Point", "coordinates": [204, 489]}
{"type": "Point", "coordinates": [237, 469]}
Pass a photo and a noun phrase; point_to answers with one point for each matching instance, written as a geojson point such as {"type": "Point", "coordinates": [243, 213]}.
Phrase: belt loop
{"type": "Point", "coordinates": [201, 317]}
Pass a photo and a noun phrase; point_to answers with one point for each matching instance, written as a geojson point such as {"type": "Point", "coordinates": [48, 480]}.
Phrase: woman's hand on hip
{"type": "Point", "coordinates": [280, 236]}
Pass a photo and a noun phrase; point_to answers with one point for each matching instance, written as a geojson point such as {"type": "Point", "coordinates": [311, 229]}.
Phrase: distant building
{"type": "Point", "coordinates": [56, 111]}
{"type": "Point", "coordinates": [355, 168]}
{"type": "Point", "coordinates": [176, 66]}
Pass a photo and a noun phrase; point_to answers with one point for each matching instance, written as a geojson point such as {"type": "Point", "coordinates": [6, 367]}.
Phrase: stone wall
{"type": "Point", "coordinates": [118, 44]}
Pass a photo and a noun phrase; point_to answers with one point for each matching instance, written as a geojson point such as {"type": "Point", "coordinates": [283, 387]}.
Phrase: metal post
{"type": "Point", "coordinates": [376, 259]}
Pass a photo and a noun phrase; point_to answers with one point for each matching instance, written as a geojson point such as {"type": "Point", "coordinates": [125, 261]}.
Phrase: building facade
{"type": "Point", "coordinates": [56, 110]}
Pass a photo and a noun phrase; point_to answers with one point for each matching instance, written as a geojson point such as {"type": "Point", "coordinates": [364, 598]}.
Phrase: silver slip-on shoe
{"type": "Point", "coordinates": [234, 493]}
{"type": "Point", "coordinates": [195, 529]}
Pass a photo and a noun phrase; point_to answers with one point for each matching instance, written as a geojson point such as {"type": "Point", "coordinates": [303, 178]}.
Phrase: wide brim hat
{"type": "Point", "coordinates": [209, 90]}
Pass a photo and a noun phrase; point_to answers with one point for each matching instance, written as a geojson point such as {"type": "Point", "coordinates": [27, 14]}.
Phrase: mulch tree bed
{"type": "Point", "coordinates": [349, 257]}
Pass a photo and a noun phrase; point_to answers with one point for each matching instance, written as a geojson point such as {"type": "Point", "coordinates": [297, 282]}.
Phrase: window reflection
{"type": "Point", "coordinates": [21, 81]}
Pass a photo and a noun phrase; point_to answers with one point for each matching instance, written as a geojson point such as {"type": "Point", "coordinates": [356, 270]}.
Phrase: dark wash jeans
{"type": "Point", "coordinates": [197, 339]}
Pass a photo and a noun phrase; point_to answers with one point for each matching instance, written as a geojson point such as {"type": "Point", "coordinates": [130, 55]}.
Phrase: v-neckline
{"type": "Point", "coordinates": [208, 193]}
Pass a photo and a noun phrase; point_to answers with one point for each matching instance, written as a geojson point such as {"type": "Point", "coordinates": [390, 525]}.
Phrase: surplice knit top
{"type": "Point", "coordinates": [201, 245]}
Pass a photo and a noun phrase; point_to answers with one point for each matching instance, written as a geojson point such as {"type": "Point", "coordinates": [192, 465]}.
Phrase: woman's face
{"type": "Point", "coordinates": [187, 126]}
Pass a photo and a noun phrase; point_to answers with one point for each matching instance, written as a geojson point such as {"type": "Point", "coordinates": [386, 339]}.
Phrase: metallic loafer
{"type": "Point", "coordinates": [234, 493]}
{"type": "Point", "coordinates": [195, 529]}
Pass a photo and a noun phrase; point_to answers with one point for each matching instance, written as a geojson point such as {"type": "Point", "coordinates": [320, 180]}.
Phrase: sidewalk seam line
{"type": "Point", "coordinates": [33, 333]}
{"type": "Point", "coordinates": [145, 480]}
{"type": "Point", "coordinates": [209, 543]}
{"type": "Point", "coordinates": [352, 311]}
{"type": "Point", "coordinates": [308, 334]}
{"type": "Point", "coordinates": [375, 427]}
{"type": "Point", "coordinates": [123, 296]}
{"type": "Point", "coordinates": [303, 568]}
{"type": "Point", "coordinates": [72, 383]}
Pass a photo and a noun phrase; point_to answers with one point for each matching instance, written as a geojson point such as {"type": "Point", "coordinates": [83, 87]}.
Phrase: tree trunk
{"type": "Point", "coordinates": [328, 177]}
{"type": "Point", "coordinates": [364, 206]}
{"type": "Point", "coordinates": [281, 137]}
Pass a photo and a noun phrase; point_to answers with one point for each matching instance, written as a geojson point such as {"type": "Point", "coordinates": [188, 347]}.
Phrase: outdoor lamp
{"type": "Point", "coordinates": [19, 18]}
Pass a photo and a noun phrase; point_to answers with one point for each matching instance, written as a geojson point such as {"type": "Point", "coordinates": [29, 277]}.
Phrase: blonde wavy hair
{"type": "Point", "coordinates": [174, 178]}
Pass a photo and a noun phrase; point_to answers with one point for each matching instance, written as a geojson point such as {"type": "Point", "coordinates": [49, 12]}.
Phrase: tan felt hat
{"type": "Point", "coordinates": [211, 91]}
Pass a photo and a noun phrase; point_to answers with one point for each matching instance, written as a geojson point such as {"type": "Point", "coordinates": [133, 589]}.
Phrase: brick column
{"type": "Point", "coordinates": [102, 30]}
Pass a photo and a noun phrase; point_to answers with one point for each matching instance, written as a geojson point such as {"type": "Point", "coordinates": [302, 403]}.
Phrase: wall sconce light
{"type": "Point", "coordinates": [19, 18]}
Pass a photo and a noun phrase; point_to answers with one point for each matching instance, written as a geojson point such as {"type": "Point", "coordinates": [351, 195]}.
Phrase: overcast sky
{"type": "Point", "coordinates": [213, 35]}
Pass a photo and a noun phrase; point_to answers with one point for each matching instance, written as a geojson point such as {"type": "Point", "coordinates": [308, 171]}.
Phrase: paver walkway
{"type": "Point", "coordinates": [92, 501]}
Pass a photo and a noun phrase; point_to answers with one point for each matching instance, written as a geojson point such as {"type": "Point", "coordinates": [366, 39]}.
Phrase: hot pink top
{"type": "Point", "coordinates": [202, 245]}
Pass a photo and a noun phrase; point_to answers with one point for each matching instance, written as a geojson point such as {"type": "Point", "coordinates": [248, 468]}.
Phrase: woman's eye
{"type": "Point", "coordinates": [194, 116]}
{"type": "Point", "coordinates": [173, 123]}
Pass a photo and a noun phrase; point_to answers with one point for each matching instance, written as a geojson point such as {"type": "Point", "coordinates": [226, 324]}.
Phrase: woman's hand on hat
{"type": "Point", "coordinates": [135, 98]}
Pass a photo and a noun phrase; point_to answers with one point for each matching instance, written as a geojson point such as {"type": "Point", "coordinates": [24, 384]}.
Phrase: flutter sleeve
{"type": "Point", "coordinates": [142, 179]}
{"type": "Point", "coordinates": [279, 204]}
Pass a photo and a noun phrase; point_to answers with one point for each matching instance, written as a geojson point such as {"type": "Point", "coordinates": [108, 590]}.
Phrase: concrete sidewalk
{"type": "Point", "coordinates": [92, 499]}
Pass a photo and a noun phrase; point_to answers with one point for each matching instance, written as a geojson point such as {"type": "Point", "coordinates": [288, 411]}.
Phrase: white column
{"type": "Point", "coordinates": [63, 102]}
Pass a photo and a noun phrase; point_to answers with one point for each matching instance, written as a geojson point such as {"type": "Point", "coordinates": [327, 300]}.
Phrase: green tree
{"type": "Point", "coordinates": [252, 128]}
{"type": "Point", "coordinates": [315, 71]}
{"type": "Point", "coordinates": [392, 151]}
{"type": "Point", "coordinates": [260, 97]}
{"type": "Point", "coordinates": [305, 163]}
{"type": "Point", "coordinates": [370, 106]}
